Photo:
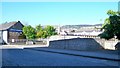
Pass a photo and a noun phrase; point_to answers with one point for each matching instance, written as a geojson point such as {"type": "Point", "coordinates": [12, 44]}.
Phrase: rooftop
{"type": "Point", "coordinates": [6, 26]}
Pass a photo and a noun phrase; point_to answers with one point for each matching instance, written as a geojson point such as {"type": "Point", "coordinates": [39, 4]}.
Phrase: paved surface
{"type": "Point", "coordinates": [20, 46]}
{"type": "Point", "coordinates": [31, 57]}
{"type": "Point", "coordinates": [107, 55]}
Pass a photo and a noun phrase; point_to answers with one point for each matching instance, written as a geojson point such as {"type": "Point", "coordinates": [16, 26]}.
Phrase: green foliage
{"type": "Point", "coordinates": [111, 26]}
{"type": "Point", "coordinates": [106, 35]}
{"type": "Point", "coordinates": [39, 31]}
{"type": "Point", "coordinates": [38, 28]}
{"type": "Point", "coordinates": [29, 32]}
{"type": "Point", "coordinates": [39, 34]}
{"type": "Point", "coordinates": [50, 30]}
{"type": "Point", "coordinates": [46, 32]}
{"type": "Point", "coordinates": [106, 22]}
{"type": "Point", "coordinates": [111, 13]}
{"type": "Point", "coordinates": [118, 12]}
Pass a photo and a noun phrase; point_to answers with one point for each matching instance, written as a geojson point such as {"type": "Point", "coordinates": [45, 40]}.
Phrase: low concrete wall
{"type": "Point", "coordinates": [110, 45]}
{"type": "Point", "coordinates": [83, 44]}
{"type": "Point", "coordinates": [76, 43]}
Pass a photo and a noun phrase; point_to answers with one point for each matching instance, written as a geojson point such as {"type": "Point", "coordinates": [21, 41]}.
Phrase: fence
{"type": "Point", "coordinates": [25, 41]}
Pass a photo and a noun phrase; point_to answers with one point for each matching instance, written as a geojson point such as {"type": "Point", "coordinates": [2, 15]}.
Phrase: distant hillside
{"type": "Point", "coordinates": [79, 26]}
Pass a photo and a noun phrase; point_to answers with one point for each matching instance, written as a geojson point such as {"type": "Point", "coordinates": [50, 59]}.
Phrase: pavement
{"type": "Point", "coordinates": [92, 54]}
{"type": "Point", "coordinates": [29, 57]}
{"type": "Point", "coordinates": [20, 46]}
{"type": "Point", "coordinates": [106, 55]}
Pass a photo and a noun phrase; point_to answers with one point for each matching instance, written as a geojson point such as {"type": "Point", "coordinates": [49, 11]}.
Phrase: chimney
{"type": "Point", "coordinates": [18, 21]}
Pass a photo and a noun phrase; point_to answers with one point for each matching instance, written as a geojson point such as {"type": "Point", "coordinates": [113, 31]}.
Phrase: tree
{"type": "Point", "coordinates": [46, 32]}
{"type": "Point", "coordinates": [38, 28]}
{"type": "Point", "coordinates": [29, 32]}
{"type": "Point", "coordinates": [39, 34]}
{"type": "Point", "coordinates": [39, 31]}
{"type": "Point", "coordinates": [111, 26]}
{"type": "Point", "coordinates": [50, 30]}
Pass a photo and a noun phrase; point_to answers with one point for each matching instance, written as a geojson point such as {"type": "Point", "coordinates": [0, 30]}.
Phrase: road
{"type": "Point", "coordinates": [28, 57]}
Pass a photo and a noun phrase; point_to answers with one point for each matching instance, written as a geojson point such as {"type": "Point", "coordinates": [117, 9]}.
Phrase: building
{"type": "Point", "coordinates": [87, 33]}
{"type": "Point", "coordinates": [10, 31]}
{"type": "Point", "coordinates": [81, 30]}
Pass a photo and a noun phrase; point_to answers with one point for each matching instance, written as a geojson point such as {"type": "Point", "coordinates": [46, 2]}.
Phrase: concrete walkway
{"type": "Point", "coordinates": [20, 46]}
{"type": "Point", "coordinates": [91, 54]}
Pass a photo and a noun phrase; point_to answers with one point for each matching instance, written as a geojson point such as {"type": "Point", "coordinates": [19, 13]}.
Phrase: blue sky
{"type": "Point", "coordinates": [57, 13]}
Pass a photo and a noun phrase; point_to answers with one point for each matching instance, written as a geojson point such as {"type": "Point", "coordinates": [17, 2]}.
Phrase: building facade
{"type": "Point", "coordinates": [9, 31]}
